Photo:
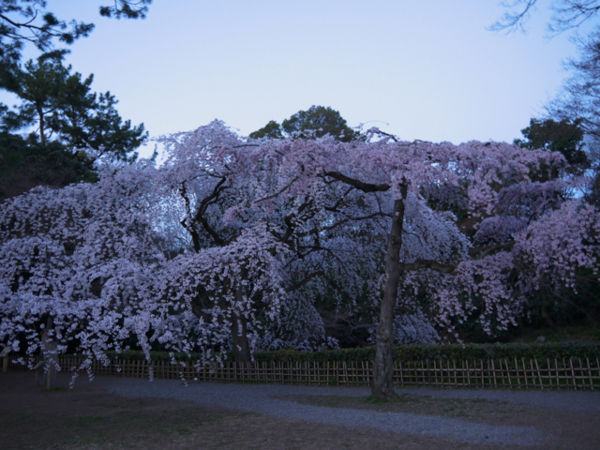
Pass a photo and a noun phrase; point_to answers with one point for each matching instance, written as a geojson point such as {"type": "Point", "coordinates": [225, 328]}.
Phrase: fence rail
{"type": "Point", "coordinates": [572, 373]}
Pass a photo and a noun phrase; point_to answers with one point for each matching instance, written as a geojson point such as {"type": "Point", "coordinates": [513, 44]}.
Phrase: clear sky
{"type": "Point", "coordinates": [428, 68]}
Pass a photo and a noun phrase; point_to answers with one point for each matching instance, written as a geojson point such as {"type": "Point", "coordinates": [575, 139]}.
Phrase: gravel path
{"type": "Point", "coordinates": [259, 398]}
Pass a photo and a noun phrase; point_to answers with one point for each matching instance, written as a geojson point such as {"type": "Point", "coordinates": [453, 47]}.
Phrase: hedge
{"type": "Point", "coordinates": [539, 351]}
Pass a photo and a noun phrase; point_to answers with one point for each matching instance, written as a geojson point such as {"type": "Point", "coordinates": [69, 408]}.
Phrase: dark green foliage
{"type": "Point", "coordinates": [67, 114]}
{"type": "Point", "coordinates": [317, 121]}
{"type": "Point", "coordinates": [321, 120]}
{"type": "Point", "coordinates": [26, 164]}
{"type": "Point", "coordinates": [456, 352]}
{"type": "Point", "coordinates": [28, 21]}
{"type": "Point", "coordinates": [24, 21]}
{"type": "Point", "coordinates": [64, 108]}
{"type": "Point", "coordinates": [127, 9]}
{"type": "Point", "coordinates": [272, 130]}
{"type": "Point", "coordinates": [346, 320]}
{"type": "Point", "coordinates": [24, 26]}
{"type": "Point", "coordinates": [567, 306]}
{"type": "Point", "coordinates": [565, 137]}
{"type": "Point", "coordinates": [446, 352]}
{"type": "Point", "coordinates": [58, 102]}
{"type": "Point", "coordinates": [135, 355]}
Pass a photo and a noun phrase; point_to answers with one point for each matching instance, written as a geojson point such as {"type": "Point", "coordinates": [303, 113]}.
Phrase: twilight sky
{"type": "Point", "coordinates": [428, 68]}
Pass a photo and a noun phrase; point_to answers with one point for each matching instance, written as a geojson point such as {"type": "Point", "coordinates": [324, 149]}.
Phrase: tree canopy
{"type": "Point", "coordinates": [63, 106]}
{"type": "Point", "coordinates": [69, 117]}
{"type": "Point", "coordinates": [26, 164]}
{"type": "Point", "coordinates": [319, 120]}
{"type": "Point", "coordinates": [565, 137]}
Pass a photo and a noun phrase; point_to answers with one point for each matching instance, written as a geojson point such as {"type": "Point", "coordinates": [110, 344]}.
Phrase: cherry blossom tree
{"type": "Point", "coordinates": [225, 245]}
{"type": "Point", "coordinates": [77, 266]}
{"type": "Point", "coordinates": [394, 180]}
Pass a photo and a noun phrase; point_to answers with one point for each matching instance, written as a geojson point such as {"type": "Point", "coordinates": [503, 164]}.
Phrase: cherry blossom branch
{"type": "Point", "coordinates": [281, 191]}
{"type": "Point", "coordinates": [204, 204]}
{"type": "Point", "coordinates": [365, 187]}
{"type": "Point", "coordinates": [342, 222]}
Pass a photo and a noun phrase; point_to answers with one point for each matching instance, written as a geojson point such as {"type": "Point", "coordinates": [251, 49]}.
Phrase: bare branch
{"type": "Point", "coordinates": [365, 187]}
{"type": "Point", "coordinates": [568, 14]}
{"type": "Point", "coordinates": [204, 204]}
{"type": "Point", "coordinates": [287, 186]}
{"type": "Point", "coordinates": [513, 20]}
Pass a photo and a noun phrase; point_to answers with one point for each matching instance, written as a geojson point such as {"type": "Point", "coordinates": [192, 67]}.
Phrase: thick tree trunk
{"type": "Point", "coordinates": [383, 364]}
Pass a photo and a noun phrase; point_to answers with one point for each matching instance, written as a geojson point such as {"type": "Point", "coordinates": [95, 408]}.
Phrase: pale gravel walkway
{"type": "Point", "coordinates": [259, 398]}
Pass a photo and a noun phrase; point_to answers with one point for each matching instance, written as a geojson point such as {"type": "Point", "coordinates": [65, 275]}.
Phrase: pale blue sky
{"type": "Point", "coordinates": [428, 68]}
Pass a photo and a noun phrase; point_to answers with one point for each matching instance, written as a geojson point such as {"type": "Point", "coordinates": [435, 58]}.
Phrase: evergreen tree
{"type": "Point", "coordinates": [29, 21]}
{"type": "Point", "coordinates": [61, 104]}
{"type": "Point", "coordinates": [63, 107]}
{"type": "Point", "coordinates": [318, 119]}
{"type": "Point", "coordinates": [26, 163]}
{"type": "Point", "coordinates": [565, 137]}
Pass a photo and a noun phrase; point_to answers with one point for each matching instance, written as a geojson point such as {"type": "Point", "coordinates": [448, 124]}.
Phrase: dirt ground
{"type": "Point", "coordinates": [86, 417]}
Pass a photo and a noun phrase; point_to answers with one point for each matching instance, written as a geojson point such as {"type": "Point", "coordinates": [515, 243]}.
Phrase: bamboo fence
{"type": "Point", "coordinates": [571, 373]}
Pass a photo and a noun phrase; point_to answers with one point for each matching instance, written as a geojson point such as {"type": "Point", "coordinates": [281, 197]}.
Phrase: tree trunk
{"type": "Point", "coordinates": [241, 348]}
{"type": "Point", "coordinates": [42, 126]}
{"type": "Point", "coordinates": [50, 356]}
{"type": "Point", "coordinates": [383, 364]}
{"type": "Point", "coordinates": [239, 331]}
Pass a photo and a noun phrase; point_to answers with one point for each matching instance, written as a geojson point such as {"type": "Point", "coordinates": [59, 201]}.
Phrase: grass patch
{"type": "Point", "coordinates": [122, 429]}
{"type": "Point", "coordinates": [398, 399]}
{"type": "Point", "coordinates": [478, 409]}
{"type": "Point", "coordinates": [57, 389]}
